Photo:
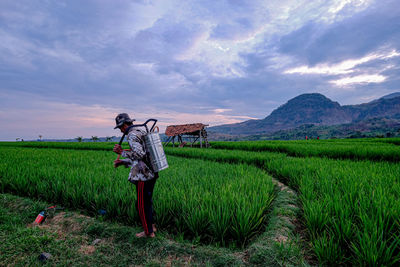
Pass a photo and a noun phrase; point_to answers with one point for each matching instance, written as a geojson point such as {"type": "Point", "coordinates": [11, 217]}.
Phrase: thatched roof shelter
{"type": "Point", "coordinates": [194, 132]}
{"type": "Point", "coordinates": [191, 129]}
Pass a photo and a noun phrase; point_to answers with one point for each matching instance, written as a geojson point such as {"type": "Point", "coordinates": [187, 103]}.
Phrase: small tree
{"type": "Point", "coordinates": [108, 139]}
{"type": "Point", "coordinates": [40, 137]}
{"type": "Point", "coordinates": [16, 139]}
{"type": "Point", "coordinates": [95, 138]}
{"type": "Point", "coordinates": [79, 138]}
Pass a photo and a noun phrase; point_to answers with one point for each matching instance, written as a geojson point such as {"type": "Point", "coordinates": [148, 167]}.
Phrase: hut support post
{"type": "Point", "coordinates": [180, 139]}
{"type": "Point", "coordinates": [194, 141]}
{"type": "Point", "coordinates": [167, 141]}
{"type": "Point", "coordinates": [201, 143]}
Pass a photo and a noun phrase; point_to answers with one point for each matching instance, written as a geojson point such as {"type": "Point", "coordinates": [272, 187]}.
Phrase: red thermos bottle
{"type": "Point", "coordinates": [40, 218]}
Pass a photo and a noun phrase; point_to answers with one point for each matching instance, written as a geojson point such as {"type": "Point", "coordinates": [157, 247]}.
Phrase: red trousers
{"type": "Point", "coordinates": [144, 204]}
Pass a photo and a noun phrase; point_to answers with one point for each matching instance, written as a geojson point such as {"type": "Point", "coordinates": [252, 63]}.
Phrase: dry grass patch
{"type": "Point", "coordinates": [87, 249]}
{"type": "Point", "coordinates": [62, 223]}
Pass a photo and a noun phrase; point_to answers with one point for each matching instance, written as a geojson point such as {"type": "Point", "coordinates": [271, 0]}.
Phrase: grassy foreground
{"type": "Point", "coordinates": [69, 237]}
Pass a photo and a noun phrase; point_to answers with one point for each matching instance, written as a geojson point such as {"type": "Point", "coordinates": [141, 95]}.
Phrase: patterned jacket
{"type": "Point", "coordinates": [136, 157]}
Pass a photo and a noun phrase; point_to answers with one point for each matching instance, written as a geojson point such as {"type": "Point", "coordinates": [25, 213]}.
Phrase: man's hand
{"type": "Point", "coordinates": [117, 149]}
{"type": "Point", "coordinates": [118, 163]}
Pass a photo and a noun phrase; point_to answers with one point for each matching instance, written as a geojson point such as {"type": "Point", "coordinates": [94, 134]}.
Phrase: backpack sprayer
{"type": "Point", "coordinates": [153, 146]}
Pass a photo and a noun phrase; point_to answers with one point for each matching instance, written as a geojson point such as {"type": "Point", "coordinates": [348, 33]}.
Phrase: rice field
{"type": "Point", "coordinates": [350, 208]}
{"type": "Point", "coordinates": [215, 202]}
{"type": "Point", "coordinates": [349, 190]}
{"type": "Point", "coordinates": [369, 149]}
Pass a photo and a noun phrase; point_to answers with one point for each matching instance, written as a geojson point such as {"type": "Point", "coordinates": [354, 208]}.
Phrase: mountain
{"type": "Point", "coordinates": [314, 109]}
{"type": "Point", "coordinates": [387, 106]}
{"type": "Point", "coordinates": [393, 95]}
{"type": "Point", "coordinates": [374, 127]}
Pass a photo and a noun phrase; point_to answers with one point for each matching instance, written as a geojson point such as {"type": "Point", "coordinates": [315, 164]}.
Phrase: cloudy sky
{"type": "Point", "coordinates": [67, 68]}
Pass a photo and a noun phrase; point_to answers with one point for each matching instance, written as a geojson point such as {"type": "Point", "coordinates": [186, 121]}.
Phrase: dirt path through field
{"type": "Point", "coordinates": [282, 242]}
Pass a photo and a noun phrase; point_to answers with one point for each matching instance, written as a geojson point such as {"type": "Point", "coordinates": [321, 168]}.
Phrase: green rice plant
{"type": "Point", "coordinates": [328, 250]}
{"type": "Point", "coordinates": [377, 244]}
{"type": "Point", "coordinates": [195, 218]}
{"type": "Point", "coordinates": [342, 224]}
{"type": "Point", "coordinates": [316, 217]}
{"type": "Point", "coordinates": [220, 221]}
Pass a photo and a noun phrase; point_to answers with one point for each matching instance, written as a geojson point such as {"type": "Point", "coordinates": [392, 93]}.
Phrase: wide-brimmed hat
{"type": "Point", "coordinates": [121, 119]}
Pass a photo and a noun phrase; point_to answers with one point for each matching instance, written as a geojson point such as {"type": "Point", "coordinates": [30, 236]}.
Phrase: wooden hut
{"type": "Point", "coordinates": [193, 132]}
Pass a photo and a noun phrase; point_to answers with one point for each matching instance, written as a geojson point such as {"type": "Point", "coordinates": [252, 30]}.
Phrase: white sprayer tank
{"type": "Point", "coordinates": [156, 151]}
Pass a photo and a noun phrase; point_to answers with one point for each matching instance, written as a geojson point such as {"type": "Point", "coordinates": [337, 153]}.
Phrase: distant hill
{"type": "Point", "coordinates": [375, 127]}
{"type": "Point", "coordinates": [393, 95]}
{"type": "Point", "coordinates": [311, 109]}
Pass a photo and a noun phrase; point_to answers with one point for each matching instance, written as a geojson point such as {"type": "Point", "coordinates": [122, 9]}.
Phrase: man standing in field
{"type": "Point", "coordinates": [141, 174]}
